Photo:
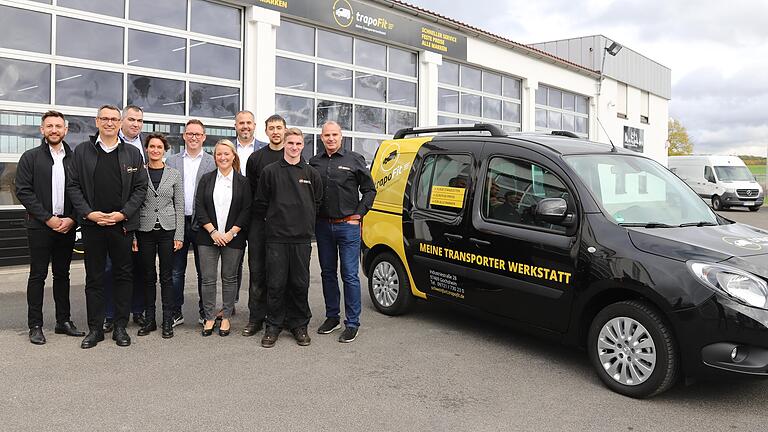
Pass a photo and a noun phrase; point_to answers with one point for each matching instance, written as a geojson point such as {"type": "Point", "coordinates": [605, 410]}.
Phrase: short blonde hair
{"type": "Point", "coordinates": [228, 143]}
{"type": "Point", "coordinates": [294, 131]}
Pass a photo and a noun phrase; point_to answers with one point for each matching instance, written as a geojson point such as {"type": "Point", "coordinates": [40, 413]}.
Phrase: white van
{"type": "Point", "coordinates": [724, 180]}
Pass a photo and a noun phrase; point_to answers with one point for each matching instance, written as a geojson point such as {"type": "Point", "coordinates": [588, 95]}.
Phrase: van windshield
{"type": "Point", "coordinates": [733, 173]}
{"type": "Point", "coordinates": [638, 191]}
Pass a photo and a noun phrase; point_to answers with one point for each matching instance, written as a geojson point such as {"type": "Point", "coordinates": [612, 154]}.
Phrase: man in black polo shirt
{"type": "Point", "coordinates": [287, 199]}
{"type": "Point", "coordinates": [107, 186]}
{"type": "Point", "coordinates": [348, 193]}
{"type": "Point", "coordinates": [41, 179]}
{"type": "Point", "coordinates": [257, 161]}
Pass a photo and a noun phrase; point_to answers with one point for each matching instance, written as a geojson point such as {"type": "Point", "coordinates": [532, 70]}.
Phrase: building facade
{"type": "Point", "coordinates": [373, 66]}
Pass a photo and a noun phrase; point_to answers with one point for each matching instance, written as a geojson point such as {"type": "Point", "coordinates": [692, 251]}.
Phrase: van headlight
{"type": "Point", "coordinates": [742, 286]}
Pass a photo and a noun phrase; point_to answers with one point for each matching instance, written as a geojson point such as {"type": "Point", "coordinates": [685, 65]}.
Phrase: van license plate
{"type": "Point", "coordinates": [748, 203]}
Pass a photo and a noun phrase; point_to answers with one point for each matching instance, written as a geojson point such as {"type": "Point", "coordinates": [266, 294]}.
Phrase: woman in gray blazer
{"type": "Point", "coordinates": [160, 233]}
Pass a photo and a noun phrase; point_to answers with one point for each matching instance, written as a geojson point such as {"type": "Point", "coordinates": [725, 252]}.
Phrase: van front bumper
{"type": "Point", "coordinates": [732, 199]}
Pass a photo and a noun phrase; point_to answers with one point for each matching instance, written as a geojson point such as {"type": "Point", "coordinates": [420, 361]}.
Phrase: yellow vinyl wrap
{"type": "Point", "coordinates": [383, 225]}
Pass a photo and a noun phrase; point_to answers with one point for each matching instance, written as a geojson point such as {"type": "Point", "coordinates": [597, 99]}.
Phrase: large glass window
{"type": "Point", "coordinates": [153, 50]}
{"type": "Point", "coordinates": [166, 13]}
{"type": "Point", "coordinates": [87, 87]}
{"type": "Point", "coordinates": [89, 40]}
{"type": "Point", "coordinates": [468, 94]}
{"type": "Point", "coordinates": [215, 19]}
{"type": "Point", "coordinates": [561, 110]}
{"type": "Point", "coordinates": [25, 81]}
{"type": "Point", "coordinates": [157, 95]}
{"type": "Point", "coordinates": [115, 8]}
{"type": "Point", "coordinates": [25, 30]}
{"type": "Point", "coordinates": [207, 100]}
{"type": "Point", "coordinates": [443, 182]}
{"type": "Point", "coordinates": [371, 95]}
{"type": "Point", "coordinates": [214, 60]}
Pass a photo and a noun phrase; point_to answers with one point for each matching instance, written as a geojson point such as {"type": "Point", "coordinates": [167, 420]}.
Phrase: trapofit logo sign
{"type": "Point", "coordinates": [342, 13]}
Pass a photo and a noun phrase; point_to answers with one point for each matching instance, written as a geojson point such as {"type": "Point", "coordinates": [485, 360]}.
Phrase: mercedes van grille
{"type": "Point", "coordinates": [747, 192]}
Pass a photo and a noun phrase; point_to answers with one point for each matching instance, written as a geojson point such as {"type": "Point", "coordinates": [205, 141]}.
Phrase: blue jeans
{"type": "Point", "coordinates": [180, 268]}
{"type": "Point", "coordinates": [342, 241]}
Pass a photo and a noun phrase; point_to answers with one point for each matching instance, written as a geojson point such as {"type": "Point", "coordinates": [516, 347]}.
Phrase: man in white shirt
{"type": "Point", "coordinates": [192, 162]}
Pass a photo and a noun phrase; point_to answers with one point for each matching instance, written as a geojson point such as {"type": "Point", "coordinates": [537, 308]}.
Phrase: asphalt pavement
{"type": "Point", "coordinates": [433, 369]}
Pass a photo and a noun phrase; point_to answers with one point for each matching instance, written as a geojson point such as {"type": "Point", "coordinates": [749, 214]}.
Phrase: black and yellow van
{"type": "Point", "coordinates": [597, 246]}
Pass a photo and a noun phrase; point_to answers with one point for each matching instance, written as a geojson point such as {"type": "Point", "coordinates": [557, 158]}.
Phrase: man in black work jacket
{"type": "Point", "coordinates": [41, 179]}
{"type": "Point", "coordinates": [107, 186]}
{"type": "Point", "coordinates": [289, 193]}
{"type": "Point", "coordinates": [348, 194]}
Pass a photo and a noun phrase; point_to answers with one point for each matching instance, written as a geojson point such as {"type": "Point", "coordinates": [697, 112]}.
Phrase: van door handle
{"type": "Point", "coordinates": [453, 237]}
{"type": "Point", "coordinates": [479, 242]}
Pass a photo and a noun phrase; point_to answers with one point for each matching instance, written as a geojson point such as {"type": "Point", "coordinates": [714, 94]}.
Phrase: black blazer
{"type": "Point", "coordinates": [33, 184]}
{"type": "Point", "coordinates": [239, 211]}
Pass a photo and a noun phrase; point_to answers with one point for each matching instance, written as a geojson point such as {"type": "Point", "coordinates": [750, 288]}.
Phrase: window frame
{"type": "Point", "coordinates": [417, 184]}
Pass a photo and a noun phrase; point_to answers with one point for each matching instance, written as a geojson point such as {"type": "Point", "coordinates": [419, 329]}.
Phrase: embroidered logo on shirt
{"type": "Point", "coordinates": [131, 169]}
{"type": "Point", "coordinates": [305, 181]}
{"type": "Point", "coordinates": [345, 168]}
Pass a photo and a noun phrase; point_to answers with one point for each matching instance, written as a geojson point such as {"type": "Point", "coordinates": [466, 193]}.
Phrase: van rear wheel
{"type": "Point", "coordinates": [717, 203]}
{"type": "Point", "coordinates": [389, 286]}
{"type": "Point", "coordinates": [633, 350]}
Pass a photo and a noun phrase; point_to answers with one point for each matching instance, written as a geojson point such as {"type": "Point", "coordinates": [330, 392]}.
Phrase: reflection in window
{"type": "Point", "coordinates": [491, 83]}
{"type": "Point", "coordinates": [25, 30]}
{"type": "Point", "coordinates": [7, 184]}
{"type": "Point", "coordinates": [339, 112]}
{"type": "Point", "coordinates": [156, 95]}
{"type": "Point", "coordinates": [296, 38]}
{"type": "Point", "coordinates": [511, 88]}
{"type": "Point", "coordinates": [402, 62]}
{"type": "Point", "coordinates": [295, 74]}
{"type": "Point", "coordinates": [19, 131]}
{"type": "Point", "coordinates": [297, 111]}
{"type": "Point", "coordinates": [366, 147]}
{"type": "Point", "coordinates": [334, 80]}
{"type": "Point", "coordinates": [106, 40]}
{"type": "Point", "coordinates": [447, 100]}
{"type": "Point", "coordinates": [443, 120]}
{"type": "Point", "coordinates": [334, 46]}
{"type": "Point", "coordinates": [470, 77]}
{"type": "Point", "coordinates": [214, 60]}
{"type": "Point", "coordinates": [207, 100]}
{"type": "Point", "coordinates": [369, 119]}
{"type": "Point", "coordinates": [25, 81]}
{"type": "Point", "coordinates": [152, 50]}
{"type": "Point", "coordinates": [397, 120]}
{"type": "Point", "coordinates": [452, 171]}
{"type": "Point", "coordinates": [401, 92]}
{"type": "Point", "coordinates": [369, 86]}
{"type": "Point", "coordinates": [370, 54]}
{"type": "Point", "coordinates": [88, 88]}
{"type": "Point", "coordinates": [511, 112]}
{"type": "Point", "coordinates": [448, 73]}
{"type": "Point", "coordinates": [115, 8]}
{"type": "Point", "coordinates": [492, 108]}
{"type": "Point", "coordinates": [168, 13]}
{"type": "Point", "coordinates": [470, 104]}
{"type": "Point", "coordinates": [215, 19]}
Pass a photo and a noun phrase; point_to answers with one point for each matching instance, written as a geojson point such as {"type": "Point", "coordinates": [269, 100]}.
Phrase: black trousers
{"type": "Point", "coordinates": [48, 246]}
{"type": "Point", "coordinates": [100, 242]}
{"type": "Point", "coordinates": [153, 244]}
{"type": "Point", "coordinates": [288, 284]}
{"type": "Point", "coordinates": [257, 290]}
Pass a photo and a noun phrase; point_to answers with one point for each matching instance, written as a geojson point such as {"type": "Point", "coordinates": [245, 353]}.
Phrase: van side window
{"type": "Point", "coordinates": [443, 182]}
{"type": "Point", "coordinates": [709, 175]}
{"type": "Point", "coordinates": [514, 187]}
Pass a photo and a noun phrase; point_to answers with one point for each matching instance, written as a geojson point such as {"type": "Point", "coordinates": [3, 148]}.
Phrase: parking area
{"type": "Point", "coordinates": [433, 369]}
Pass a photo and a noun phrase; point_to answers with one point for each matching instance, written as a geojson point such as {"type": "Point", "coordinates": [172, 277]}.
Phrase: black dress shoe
{"type": "Point", "coordinates": [252, 328]}
{"type": "Point", "coordinates": [167, 329]}
{"type": "Point", "coordinates": [92, 339]}
{"type": "Point", "coordinates": [36, 335]}
{"type": "Point", "coordinates": [139, 319]}
{"type": "Point", "coordinates": [68, 328]}
{"type": "Point", "coordinates": [148, 327]}
{"type": "Point", "coordinates": [120, 336]}
{"type": "Point", "coordinates": [208, 332]}
{"type": "Point", "coordinates": [109, 325]}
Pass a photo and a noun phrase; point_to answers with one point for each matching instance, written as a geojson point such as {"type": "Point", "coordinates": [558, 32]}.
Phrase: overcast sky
{"type": "Point", "coordinates": [717, 50]}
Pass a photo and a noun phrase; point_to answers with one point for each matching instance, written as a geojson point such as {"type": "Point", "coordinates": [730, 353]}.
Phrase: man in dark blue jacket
{"type": "Point", "coordinates": [41, 178]}
{"type": "Point", "coordinates": [107, 186]}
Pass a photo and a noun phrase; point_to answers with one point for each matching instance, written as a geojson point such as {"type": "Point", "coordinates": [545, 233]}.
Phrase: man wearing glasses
{"type": "Point", "coordinates": [193, 162]}
{"type": "Point", "coordinates": [107, 186]}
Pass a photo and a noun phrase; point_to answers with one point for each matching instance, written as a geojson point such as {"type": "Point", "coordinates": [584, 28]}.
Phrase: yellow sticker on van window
{"type": "Point", "coordinates": [447, 196]}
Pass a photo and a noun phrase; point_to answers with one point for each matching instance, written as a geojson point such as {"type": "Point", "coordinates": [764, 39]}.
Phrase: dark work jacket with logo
{"type": "Point", "coordinates": [81, 186]}
{"type": "Point", "coordinates": [33, 184]}
{"type": "Point", "coordinates": [288, 198]}
{"type": "Point", "coordinates": [347, 184]}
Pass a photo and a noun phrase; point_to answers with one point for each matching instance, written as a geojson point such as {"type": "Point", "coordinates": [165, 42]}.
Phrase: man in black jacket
{"type": "Point", "coordinates": [289, 193]}
{"type": "Point", "coordinates": [41, 178]}
{"type": "Point", "coordinates": [107, 186]}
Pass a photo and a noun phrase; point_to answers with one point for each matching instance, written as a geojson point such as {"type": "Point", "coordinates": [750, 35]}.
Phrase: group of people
{"type": "Point", "coordinates": [140, 213]}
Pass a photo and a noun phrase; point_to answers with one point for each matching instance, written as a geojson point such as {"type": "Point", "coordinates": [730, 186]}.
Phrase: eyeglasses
{"type": "Point", "coordinates": [108, 119]}
{"type": "Point", "coordinates": [193, 135]}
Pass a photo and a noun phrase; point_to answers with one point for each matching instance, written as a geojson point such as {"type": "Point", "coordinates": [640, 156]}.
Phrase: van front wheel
{"type": "Point", "coordinates": [633, 349]}
{"type": "Point", "coordinates": [389, 286]}
{"type": "Point", "coordinates": [717, 203]}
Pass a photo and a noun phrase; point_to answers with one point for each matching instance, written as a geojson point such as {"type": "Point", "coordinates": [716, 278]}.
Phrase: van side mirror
{"type": "Point", "coordinates": [554, 211]}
